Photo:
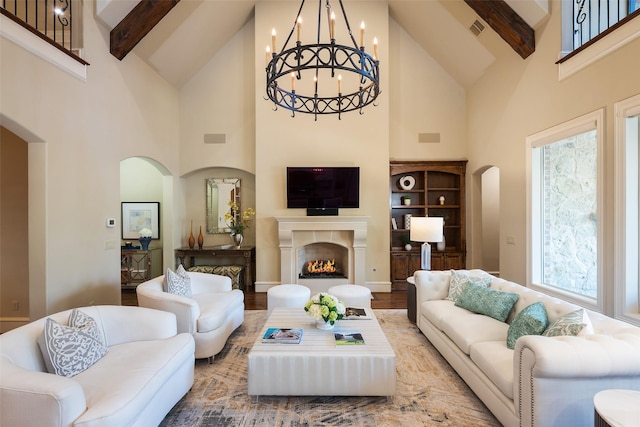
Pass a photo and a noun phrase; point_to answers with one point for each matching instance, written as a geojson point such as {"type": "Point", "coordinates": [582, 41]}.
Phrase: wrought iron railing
{"type": "Point", "coordinates": [52, 18]}
{"type": "Point", "coordinates": [594, 17]}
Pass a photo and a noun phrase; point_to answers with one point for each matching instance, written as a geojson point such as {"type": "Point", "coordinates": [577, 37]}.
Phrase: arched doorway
{"type": "Point", "coordinates": [487, 223]}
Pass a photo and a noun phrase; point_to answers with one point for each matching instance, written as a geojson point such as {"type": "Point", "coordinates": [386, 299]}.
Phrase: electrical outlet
{"type": "Point", "coordinates": [109, 244]}
{"type": "Point", "coordinates": [15, 305]}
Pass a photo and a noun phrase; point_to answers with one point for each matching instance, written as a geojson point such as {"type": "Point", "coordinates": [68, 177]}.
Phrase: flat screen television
{"type": "Point", "coordinates": [323, 187]}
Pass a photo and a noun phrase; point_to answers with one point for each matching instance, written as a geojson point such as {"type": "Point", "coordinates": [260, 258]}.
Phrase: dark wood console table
{"type": "Point", "coordinates": [221, 255]}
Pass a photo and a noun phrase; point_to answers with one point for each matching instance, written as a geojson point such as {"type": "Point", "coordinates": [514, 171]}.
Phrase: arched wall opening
{"type": "Point", "coordinates": [143, 179]}
{"type": "Point", "coordinates": [486, 230]}
{"type": "Point", "coordinates": [32, 299]}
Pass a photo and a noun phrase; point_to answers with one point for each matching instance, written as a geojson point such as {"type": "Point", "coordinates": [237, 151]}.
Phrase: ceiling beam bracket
{"type": "Point", "coordinates": [137, 24]}
{"type": "Point", "coordinates": [507, 23]}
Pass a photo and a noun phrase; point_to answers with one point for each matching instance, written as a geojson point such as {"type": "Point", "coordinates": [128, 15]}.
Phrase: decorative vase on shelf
{"type": "Point", "coordinates": [237, 239]}
{"type": "Point", "coordinates": [192, 240]}
{"type": "Point", "coordinates": [325, 326]}
{"type": "Point", "coordinates": [200, 239]}
{"type": "Point", "coordinates": [144, 242]}
{"type": "Point", "coordinates": [441, 246]}
{"type": "Point", "coordinates": [407, 221]}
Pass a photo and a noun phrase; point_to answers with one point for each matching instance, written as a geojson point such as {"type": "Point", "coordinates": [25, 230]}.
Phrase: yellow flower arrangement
{"type": "Point", "coordinates": [237, 224]}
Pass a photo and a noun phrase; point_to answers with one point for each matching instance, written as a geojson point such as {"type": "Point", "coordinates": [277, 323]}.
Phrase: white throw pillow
{"type": "Point", "coordinates": [70, 350]}
{"type": "Point", "coordinates": [459, 278]}
{"type": "Point", "coordinates": [178, 284]}
{"type": "Point", "coordinates": [574, 323]}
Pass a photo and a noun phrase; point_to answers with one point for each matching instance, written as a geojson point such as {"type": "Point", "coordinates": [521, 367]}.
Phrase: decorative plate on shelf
{"type": "Point", "coordinates": [407, 182]}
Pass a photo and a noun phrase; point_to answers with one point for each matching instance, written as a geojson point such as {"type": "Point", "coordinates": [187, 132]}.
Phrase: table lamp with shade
{"type": "Point", "coordinates": [426, 229]}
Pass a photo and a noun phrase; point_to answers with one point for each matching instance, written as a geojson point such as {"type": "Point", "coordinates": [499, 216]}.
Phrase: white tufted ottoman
{"type": "Point", "coordinates": [293, 296]}
{"type": "Point", "coordinates": [352, 295]}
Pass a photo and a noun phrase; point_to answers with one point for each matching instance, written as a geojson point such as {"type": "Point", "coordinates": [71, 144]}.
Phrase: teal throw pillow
{"type": "Point", "coordinates": [532, 320]}
{"type": "Point", "coordinates": [487, 301]}
{"type": "Point", "coordinates": [459, 278]}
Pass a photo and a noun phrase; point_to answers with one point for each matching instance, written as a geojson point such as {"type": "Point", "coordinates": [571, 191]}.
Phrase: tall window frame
{"type": "Point", "coordinates": [593, 121]}
{"type": "Point", "coordinates": [627, 210]}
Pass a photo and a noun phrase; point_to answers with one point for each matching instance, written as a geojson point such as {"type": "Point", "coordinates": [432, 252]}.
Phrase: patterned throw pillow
{"type": "Point", "coordinates": [490, 302]}
{"type": "Point", "coordinates": [178, 284]}
{"type": "Point", "coordinates": [569, 324]}
{"type": "Point", "coordinates": [532, 320]}
{"type": "Point", "coordinates": [459, 278]}
{"type": "Point", "coordinates": [70, 350]}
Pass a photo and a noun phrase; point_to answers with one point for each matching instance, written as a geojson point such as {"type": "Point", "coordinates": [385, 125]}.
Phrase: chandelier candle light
{"type": "Point", "coordinates": [323, 61]}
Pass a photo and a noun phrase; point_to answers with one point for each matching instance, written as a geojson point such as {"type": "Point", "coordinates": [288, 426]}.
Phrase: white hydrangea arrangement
{"type": "Point", "coordinates": [145, 232]}
{"type": "Point", "coordinates": [326, 307]}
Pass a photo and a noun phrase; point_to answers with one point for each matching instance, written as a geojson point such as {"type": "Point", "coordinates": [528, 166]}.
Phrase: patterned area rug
{"type": "Point", "coordinates": [429, 392]}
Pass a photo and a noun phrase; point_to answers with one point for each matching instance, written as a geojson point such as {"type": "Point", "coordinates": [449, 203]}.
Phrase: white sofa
{"type": "Point", "coordinates": [213, 312]}
{"type": "Point", "coordinates": [544, 381]}
{"type": "Point", "coordinates": [147, 369]}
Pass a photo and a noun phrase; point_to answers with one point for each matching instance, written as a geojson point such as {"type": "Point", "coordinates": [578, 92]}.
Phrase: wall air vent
{"type": "Point", "coordinates": [215, 138]}
{"type": "Point", "coordinates": [477, 27]}
{"type": "Point", "coordinates": [429, 137]}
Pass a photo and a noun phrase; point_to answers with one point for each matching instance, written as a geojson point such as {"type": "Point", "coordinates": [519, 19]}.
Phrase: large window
{"type": "Point", "coordinates": [627, 202]}
{"type": "Point", "coordinates": [564, 194]}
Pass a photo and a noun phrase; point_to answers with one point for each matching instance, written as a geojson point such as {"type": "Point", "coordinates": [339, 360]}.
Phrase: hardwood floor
{"type": "Point", "coordinates": [258, 300]}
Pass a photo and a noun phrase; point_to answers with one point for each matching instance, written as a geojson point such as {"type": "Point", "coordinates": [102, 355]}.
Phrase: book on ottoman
{"type": "Point", "coordinates": [282, 335]}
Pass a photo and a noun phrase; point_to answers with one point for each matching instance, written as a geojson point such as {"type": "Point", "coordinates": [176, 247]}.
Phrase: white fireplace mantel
{"type": "Point", "coordinates": [295, 231]}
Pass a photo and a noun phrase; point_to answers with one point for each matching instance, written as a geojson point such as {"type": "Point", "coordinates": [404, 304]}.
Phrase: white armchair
{"type": "Point", "coordinates": [213, 312]}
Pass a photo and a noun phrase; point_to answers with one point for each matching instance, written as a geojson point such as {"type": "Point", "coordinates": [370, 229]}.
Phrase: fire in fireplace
{"type": "Point", "coordinates": [320, 268]}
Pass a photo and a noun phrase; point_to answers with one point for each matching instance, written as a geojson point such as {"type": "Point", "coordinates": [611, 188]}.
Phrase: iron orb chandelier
{"type": "Point", "coordinates": [326, 62]}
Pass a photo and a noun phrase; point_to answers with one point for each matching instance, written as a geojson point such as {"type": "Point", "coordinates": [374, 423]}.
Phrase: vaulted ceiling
{"type": "Point", "coordinates": [179, 37]}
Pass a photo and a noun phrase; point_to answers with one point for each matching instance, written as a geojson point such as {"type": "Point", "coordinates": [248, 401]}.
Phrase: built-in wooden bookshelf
{"type": "Point", "coordinates": [439, 190]}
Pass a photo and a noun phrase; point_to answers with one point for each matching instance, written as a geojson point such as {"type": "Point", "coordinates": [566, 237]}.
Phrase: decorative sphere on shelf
{"type": "Point", "coordinates": [407, 247]}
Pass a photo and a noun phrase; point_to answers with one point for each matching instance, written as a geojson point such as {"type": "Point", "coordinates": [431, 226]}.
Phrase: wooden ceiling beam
{"type": "Point", "coordinates": [137, 24]}
{"type": "Point", "coordinates": [507, 23]}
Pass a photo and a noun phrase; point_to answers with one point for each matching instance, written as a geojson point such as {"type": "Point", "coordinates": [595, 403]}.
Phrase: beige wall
{"type": "Point", "coordinates": [124, 109]}
{"type": "Point", "coordinates": [356, 140]}
{"type": "Point", "coordinates": [422, 98]}
{"type": "Point", "coordinates": [516, 98]}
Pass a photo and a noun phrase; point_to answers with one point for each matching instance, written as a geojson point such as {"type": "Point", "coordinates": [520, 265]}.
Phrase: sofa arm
{"type": "Point", "coordinates": [584, 356]}
{"type": "Point", "coordinates": [431, 285]}
{"type": "Point", "coordinates": [556, 378]}
{"type": "Point", "coordinates": [185, 309]}
{"type": "Point", "coordinates": [31, 398]}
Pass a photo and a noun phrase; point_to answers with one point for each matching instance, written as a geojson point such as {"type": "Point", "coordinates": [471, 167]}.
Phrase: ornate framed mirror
{"type": "Point", "coordinates": [220, 191]}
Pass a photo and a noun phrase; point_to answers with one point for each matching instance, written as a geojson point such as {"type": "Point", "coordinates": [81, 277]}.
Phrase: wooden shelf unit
{"type": "Point", "coordinates": [433, 179]}
{"type": "Point", "coordinates": [137, 266]}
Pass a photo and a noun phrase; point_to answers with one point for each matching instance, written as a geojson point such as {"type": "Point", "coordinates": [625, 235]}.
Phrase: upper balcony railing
{"type": "Point", "coordinates": [58, 20]}
{"type": "Point", "coordinates": [594, 17]}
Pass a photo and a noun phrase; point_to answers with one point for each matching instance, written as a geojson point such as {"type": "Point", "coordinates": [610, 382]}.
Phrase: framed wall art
{"type": "Point", "coordinates": [139, 215]}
